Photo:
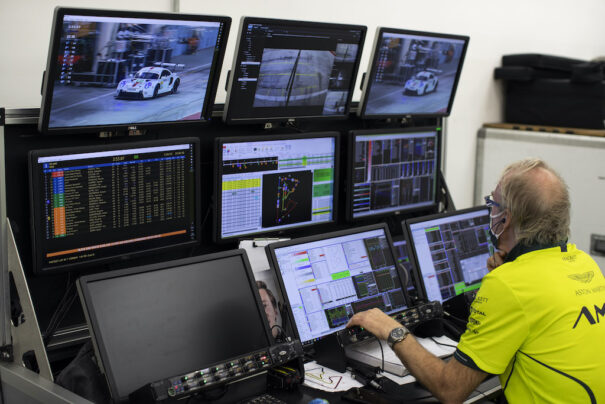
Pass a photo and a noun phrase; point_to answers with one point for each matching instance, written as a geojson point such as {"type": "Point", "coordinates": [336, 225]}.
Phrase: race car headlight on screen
{"type": "Point", "coordinates": [122, 83]}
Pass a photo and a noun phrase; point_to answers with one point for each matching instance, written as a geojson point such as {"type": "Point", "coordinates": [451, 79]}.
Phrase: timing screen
{"type": "Point", "coordinates": [113, 70]}
{"type": "Point", "coordinates": [277, 184]}
{"type": "Point", "coordinates": [327, 281]}
{"type": "Point", "coordinates": [394, 172]}
{"type": "Point", "coordinates": [413, 74]}
{"type": "Point", "coordinates": [103, 204]}
{"type": "Point", "coordinates": [452, 253]}
{"type": "Point", "coordinates": [288, 71]}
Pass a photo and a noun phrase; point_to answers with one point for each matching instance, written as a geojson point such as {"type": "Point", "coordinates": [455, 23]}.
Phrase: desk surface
{"type": "Point", "coordinates": [410, 392]}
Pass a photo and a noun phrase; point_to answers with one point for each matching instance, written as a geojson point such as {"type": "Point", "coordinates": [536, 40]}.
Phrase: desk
{"type": "Point", "coordinates": [411, 392]}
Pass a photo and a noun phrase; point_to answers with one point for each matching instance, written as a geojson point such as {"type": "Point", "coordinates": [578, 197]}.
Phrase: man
{"type": "Point", "coordinates": [538, 320]}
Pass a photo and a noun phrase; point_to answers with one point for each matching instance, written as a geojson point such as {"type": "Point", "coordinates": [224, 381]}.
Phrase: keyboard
{"type": "Point", "coordinates": [263, 399]}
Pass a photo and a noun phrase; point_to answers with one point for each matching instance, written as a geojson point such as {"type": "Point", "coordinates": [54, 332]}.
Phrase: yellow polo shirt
{"type": "Point", "coordinates": [539, 323]}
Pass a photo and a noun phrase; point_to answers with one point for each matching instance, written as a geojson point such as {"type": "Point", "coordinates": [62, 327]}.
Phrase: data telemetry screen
{"type": "Point", "coordinates": [327, 281]}
{"type": "Point", "coordinates": [452, 252]}
{"type": "Point", "coordinates": [271, 185]}
{"type": "Point", "coordinates": [395, 171]}
{"type": "Point", "coordinates": [107, 203]}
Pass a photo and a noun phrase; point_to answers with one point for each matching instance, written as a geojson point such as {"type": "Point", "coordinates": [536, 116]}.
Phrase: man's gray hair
{"type": "Point", "coordinates": [538, 200]}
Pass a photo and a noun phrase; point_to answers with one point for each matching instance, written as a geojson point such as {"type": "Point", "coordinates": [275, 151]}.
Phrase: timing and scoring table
{"type": "Point", "coordinates": [327, 281]}
{"type": "Point", "coordinates": [269, 185]}
{"type": "Point", "coordinates": [99, 201]}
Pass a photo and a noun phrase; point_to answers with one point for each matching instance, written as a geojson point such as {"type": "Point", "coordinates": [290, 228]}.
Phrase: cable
{"type": "Point", "coordinates": [463, 322]}
{"type": "Point", "coordinates": [441, 343]}
{"type": "Point", "coordinates": [206, 216]}
{"type": "Point", "coordinates": [382, 353]}
{"type": "Point", "coordinates": [283, 332]}
{"type": "Point", "coordinates": [62, 308]}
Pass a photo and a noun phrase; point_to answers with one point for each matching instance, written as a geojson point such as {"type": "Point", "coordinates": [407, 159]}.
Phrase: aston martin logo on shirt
{"type": "Point", "coordinates": [585, 277]}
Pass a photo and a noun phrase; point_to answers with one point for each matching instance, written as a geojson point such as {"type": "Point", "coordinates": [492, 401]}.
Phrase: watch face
{"type": "Point", "coordinates": [397, 333]}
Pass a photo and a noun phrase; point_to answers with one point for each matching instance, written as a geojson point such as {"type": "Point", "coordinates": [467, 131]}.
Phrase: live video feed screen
{"type": "Point", "coordinates": [112, 70]}
{"type": "Point", "coordinates": [395, 171]}
{"type": "Point", "coordinates": [329, 280]}
{"type": "Point", "coordinates": [452, 253]}
{"type": "Point", "coordinates": [292, 71]}
{"type": "Point", "coordinates": [271, 185]}
{"type": "Point", "coordinates": [107, 203]}
{"type": "Point", "coordinates": [413, 75]}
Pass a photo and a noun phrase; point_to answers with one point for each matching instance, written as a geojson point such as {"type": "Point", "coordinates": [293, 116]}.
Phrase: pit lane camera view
{"type": "Point", "coordinates": [451, 251]}
{"type": "Point", "coordinates": [414, 74]}
{"type": "Point", "coordinates": [330, 279]}
{"type": "Point", "coordinates": [114, 70]}
{"type": "Point", "coordinates": [293, 69]}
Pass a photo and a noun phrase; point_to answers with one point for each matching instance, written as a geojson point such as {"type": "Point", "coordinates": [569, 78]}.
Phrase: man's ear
{"type": "Point", "coordinates": [506, 220]}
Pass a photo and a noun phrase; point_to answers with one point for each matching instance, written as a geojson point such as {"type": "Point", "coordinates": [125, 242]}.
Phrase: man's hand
{"type": "Point", "coordinates": [495, 260]}
{"type": "Point", "coordinates": [375, 321]}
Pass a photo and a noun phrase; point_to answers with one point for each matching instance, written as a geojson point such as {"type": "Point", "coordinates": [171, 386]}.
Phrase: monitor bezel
{"type": "Point", "coordinates": [52, 69]}
{"type": "Point", "coordinates": [274, 266]}
{"type": "Point", "coordinates": [36, 215]}
{"type": "Point", "coordinates": [237, 59]}
{"type": "Point", "coordinates": [218, 170]}
{"type": "Point", "coordinates": [406, 224]}
{"type": "Point", "coordinates": [351, 168]}
{"type": "Point", "coordinates": [92, 319]}
{"type": "Point", "coordinates": [371, 73]}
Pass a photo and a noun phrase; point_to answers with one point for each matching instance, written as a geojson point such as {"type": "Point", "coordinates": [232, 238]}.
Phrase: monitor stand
{"type": "Point", "coordinates": [26, 336]}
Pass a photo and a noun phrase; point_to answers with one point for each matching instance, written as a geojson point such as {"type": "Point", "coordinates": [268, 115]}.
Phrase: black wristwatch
{"type": "Point", "coordinates": [397, 335]}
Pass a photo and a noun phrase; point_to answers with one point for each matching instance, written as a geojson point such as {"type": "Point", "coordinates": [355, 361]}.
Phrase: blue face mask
{"type": "Point", "coordinates": [493, 237]}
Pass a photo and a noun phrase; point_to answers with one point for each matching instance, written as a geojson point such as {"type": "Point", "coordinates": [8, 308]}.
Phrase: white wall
{"type": "Point", "coordinates": [560, 27]}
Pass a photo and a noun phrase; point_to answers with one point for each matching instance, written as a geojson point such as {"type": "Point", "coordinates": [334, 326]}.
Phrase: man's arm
{"type": "Point", "coordinates": [450, 382]}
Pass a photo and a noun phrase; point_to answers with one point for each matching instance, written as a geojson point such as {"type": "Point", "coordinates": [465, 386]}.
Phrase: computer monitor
{"type": "Point", "coordinates": [125, 70]}
{"type": "Point", "coordinates": [273, 184]}
{"type": "Point", "coordinates": [329, 277]}
{"type": "Point", "coordinates": [451, 251]}
{"type": "Point", "coordinates": [392, 171]}
{"type": "Point", "coordinates": [412, 73]}
{"type": "Point", "coordinates": [154, 322]}
{"type": "Point", "coordinates": [287, 70]}
{"type": "Point", "coordinates": [403, 258]}
{"type": "Point", "coordinates": [94, 204]}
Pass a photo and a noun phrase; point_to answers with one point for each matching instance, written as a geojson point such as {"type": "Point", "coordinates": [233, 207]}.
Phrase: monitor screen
{"type": "Point", "coordinates": [113, 69]}
{"type": "Point", "coordinates": [269, 184]}
{"type": "Point", "coordinates": [328, 278]}
{"type": "Point", "coordinates": [155, 322]}
{"type": "Point", "coordinates": [402, 255]}
{"type": "Point", "coordinates": [392, 171]}
{"type": "Point", "coordinates": [93, 204]}
{"type": "Point", "coordinates": [451, 251]}
{"type": "Point", "coordinates": [412, 73]}
{"type": "Point", "coordinates": [293, 69]}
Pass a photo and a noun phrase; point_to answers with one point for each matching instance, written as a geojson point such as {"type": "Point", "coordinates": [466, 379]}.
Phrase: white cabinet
{"type": "Point", "coordinates": [579, 159]}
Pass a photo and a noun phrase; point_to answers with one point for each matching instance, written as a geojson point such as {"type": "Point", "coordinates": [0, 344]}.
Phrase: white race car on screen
{"type": "Point", "coordinates": [422, 83]}
{"type": "Point", "coordinates": [149, 82]}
